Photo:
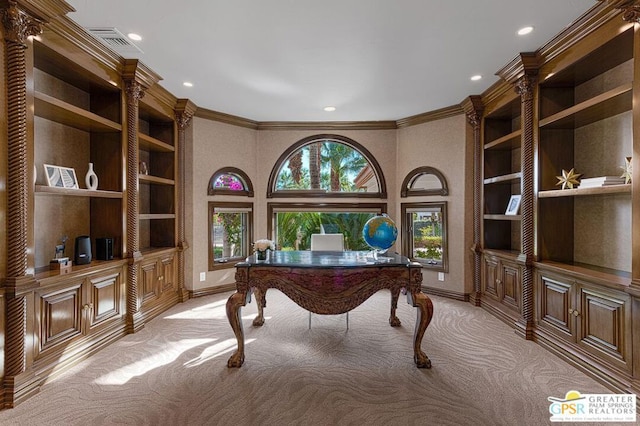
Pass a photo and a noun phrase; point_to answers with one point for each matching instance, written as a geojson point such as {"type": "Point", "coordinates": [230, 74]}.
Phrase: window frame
{"type": "Point", "coordinates": [272, 192]}
{"type": "Point", "coordinates": [239, 174]}
{"type": "Point", "coordinates": [407, 210]}
{"type": "Point", "coordinates": [276, 207]}
{"type": "Point", "coordinates": [231, 262]}
{"type": "Point", "coordinates": [407, 190]}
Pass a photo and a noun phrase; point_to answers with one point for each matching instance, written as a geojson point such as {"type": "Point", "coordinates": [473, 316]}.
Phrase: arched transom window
{"type": "Point", "coordinates": [230, 181]}
{"type": "Point", "coordinates": [326, 165]}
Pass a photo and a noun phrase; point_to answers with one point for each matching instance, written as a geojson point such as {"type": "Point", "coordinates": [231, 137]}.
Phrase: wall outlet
{"type": "Point", "coordinates": [203, 276]}
{"type": "Point", "coordinates": [440, 276]}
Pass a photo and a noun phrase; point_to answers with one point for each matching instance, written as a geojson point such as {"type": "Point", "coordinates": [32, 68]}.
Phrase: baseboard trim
{"type": "Point", "coordinates": [212, 290]}
{"type": "Point", "coordinates": [464, 297]}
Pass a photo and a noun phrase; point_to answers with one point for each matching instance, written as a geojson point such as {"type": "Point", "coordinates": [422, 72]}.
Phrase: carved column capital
{"type": "Point", "coordinates": [473, 117]}
{"type": "Point", "coordinates": [183, 118]}
{"type": "Point", "coordinates": [524, 87]}
{"type": "Point", "coordinates": [135, 91]}
{"type": "Point", "coordinates": [18, 24]}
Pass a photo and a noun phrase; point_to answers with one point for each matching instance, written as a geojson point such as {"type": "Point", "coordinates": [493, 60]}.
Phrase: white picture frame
{"type": "Point", "coordinates": [60, 177]}
{"type": "Point", "coordinates": [514, 205]}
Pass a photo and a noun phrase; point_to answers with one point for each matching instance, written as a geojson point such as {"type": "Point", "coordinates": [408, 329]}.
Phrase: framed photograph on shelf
{"type": "Point", "coordinates": [61, 177]}
{"type": "Point", "coordinates": [513, 206]}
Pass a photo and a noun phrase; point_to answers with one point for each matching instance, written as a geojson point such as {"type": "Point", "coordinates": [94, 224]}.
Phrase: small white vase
{"type": "Point", "coordinates": [91, 179]}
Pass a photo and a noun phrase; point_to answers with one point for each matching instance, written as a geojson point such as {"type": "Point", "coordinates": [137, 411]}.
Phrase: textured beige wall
{"type": "Point", "coordinates": [443, 144]}
{"type": "Point", "coordinates": [214, 145]}
{"type": "Point", "coordinates": [440, 144]}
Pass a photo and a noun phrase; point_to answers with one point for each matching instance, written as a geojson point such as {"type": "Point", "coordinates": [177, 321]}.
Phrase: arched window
{"type": "Point", "coordinates": [424, 181]}
{"type": "Point", "coordinates": [326, 165]}
{"type": "Point", "coordinates": [230, 181]}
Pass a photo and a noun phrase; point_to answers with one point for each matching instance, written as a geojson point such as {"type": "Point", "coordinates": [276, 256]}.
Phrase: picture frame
{"type": "Point", "coordinates": [513, 206]}
{"type": "Point", "coordinates": [60, 177]}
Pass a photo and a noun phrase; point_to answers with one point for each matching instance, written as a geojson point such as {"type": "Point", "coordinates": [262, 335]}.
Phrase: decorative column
{"type": "Point", "coordinates": [184, 112]}
{"type": "Point", "coordinates": [473, 109]}
{"type": "Point", "coordinates": [134, 92]}
{"type": "Point", "coordinates": [18, 26]}
{"type": "Point", "coordinates": [525, 87]}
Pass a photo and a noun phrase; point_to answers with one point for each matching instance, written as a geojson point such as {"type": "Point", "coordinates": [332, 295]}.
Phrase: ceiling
{"type": "Point", "coordinates": [285, 60]}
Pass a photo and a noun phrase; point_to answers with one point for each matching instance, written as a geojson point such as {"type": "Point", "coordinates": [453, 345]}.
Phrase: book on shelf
{"type": "Point", "coordinates": [601, 181]}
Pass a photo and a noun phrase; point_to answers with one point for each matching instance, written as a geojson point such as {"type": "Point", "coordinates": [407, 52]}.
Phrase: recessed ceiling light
{"type": "Point", "coordinates": [134, 36]}
{"type": "Point", "coordinates": [525, 30]}
{"type": "Point", "coordinates": [187, 84]}
{"type": "Point", "coordinates": [476, 77]}
{"type": "Point", "coordinates": [329, 108]}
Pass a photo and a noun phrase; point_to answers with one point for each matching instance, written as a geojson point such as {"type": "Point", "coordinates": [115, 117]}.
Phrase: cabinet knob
{"type": "Point", "coordinates": [575, 313]}
{"type": "Point", "coordinates": [161, 277]}
{"type": "Point", "coordinates": [88, 306]}
{"type": "Point", "coordinates": [498, 282]}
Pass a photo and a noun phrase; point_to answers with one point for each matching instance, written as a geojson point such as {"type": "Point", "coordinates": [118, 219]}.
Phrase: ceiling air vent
{"type": "Point", "coordinates": [116, 40]}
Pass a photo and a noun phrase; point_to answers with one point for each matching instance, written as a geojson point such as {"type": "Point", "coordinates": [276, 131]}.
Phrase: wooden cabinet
{"type": "Point", "coordinates": [159, 289]}
{"type": "Point", "coordinates": [73, 312]}
{"type": "Point", "coordinates": [71, 103]}
{"type": "Point", "coordinates": [569, 262]}
{"type": "Point", "coordinates": [77, 121]}
{"type": "Point", "coordinates": [594, 319]}
{"type": "Point", "coordinates": [501, 285]}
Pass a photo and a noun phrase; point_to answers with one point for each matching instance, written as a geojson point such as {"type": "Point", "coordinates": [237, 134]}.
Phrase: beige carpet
{"type": "Point", "coordinates": [174, 372]}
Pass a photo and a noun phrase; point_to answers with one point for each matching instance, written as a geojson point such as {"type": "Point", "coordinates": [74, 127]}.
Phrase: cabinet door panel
{"type": "Point", "coordinates": [168, 273]}
{"type": "Point", "coordinates": [511, 285]}
{"type": "Point", "coordinates": [149, 280]}
{"type": "Point", "coordinates": [604, 327]}
{"type": "Point", "coordinates": [60, 315]}
{"type": "Point", "coordinates": [555, 303]}
{"type": "Point", "coordinates": [105, 297]}
{"type": "Point", "coordinates": [490, 277]}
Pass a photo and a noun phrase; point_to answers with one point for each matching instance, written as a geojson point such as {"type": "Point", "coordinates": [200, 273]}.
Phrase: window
{"type": "Point", "coordinates": [424, 231]}
{"type": "Point", "coordinates": [326, 164]}
{"type": "Point", "coordinates": [230, 181]}
{"type": "Point", "coordinates": [424, 181]}
{"type": "Point", "coordinates": [230, 233]}
{"type": "Point", "coordinates": [292, 225]}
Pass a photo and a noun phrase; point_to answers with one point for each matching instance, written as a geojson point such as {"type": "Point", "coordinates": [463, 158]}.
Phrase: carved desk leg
{"type": "Point", "coordinates": [261, 300]}
{"type": "Point", "coordinates": [234, 304]}
{"type": "Point", "coordinates": [394, 321]}
{"type": "Point", "coordinates": [425, 312]}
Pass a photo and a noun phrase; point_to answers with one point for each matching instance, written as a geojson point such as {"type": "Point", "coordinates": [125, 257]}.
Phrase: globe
{"type": "Point", "coordinates": [380, 233]}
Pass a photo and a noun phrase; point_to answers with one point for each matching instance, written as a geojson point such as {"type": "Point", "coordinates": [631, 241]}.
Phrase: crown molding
{"type": "Point", "coordinates": [437, 114]}
{"type": "Point", "coordinates": [63, 31]}
{"type": "Point", "coordinates": [584, 25]}
{"type": "Point", "coordinates": [226, 118]}
{"type": "Point", "coordinates": [44, 10]}
{"type": "Point", "coordinates": [524, 63]}
{"type": "Point", "coordinates": [327, 125]}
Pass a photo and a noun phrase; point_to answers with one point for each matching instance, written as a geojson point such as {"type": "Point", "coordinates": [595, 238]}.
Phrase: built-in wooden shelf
{"type": "Point", "coordinates": [70, 115]}
{"type": "Point", "coordinates": [155, 216]}
{"type": "Point", "coordinates": [607, 104]}
{"type": "Point", "coordinates": [510, 178]}
{"type": "Point", "coordinates": [601, 190]}
{"type": "Point", "coordinates": [149, 179]}
{"type": "Point", "coordinates": [148, 143]}
{"type": "Point", "coordinates": [514, 217]}
{"type": "Point", "coordinates": [54, 190]}
{"type": "Point", "coordinates": [507, 142]}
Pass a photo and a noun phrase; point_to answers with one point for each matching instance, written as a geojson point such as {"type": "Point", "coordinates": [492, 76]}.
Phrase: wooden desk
{"type": "Point", "coordinates": [328, 282]}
